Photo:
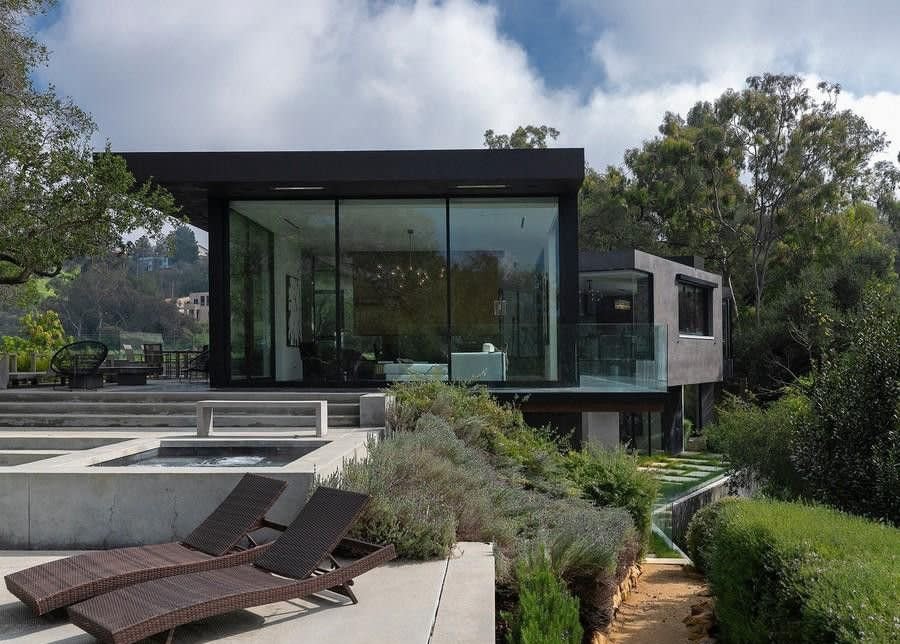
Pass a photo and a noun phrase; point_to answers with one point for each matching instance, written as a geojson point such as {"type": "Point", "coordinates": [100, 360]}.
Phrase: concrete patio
{"type": "Point", "coordinates": [437, 602]}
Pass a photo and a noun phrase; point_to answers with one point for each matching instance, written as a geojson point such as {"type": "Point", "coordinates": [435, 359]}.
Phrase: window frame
{"type": "Point", "coordinates": [706, 289]}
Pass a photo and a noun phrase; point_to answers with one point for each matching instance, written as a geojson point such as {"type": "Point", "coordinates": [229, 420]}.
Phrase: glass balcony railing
{"type": "Point", "coordinates": [608, 358]}
{"type": "Point", "coordinates": [621, 358]}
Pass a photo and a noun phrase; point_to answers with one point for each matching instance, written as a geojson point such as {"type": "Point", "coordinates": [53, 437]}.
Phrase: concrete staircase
{"type": "Point", "coordinates": [49, 410]}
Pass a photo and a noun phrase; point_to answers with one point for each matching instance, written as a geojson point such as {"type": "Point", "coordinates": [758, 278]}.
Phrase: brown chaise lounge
{"type": "Point", "coordinates": [214, 544]}
{"type": "Point", "coordinates": [289, 569]}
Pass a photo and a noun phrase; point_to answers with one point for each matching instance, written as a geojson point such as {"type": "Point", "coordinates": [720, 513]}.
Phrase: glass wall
{"type": "Point", "coordinates": [615, 297]}
{"type": "Point", "coordinates": [301, 307]}
{"type": "Point", "coordinates": [504, 283]}
{"type": "Point", "coordinates": [364, 291]}
{"type": "Point", "coordinates": [250, 253]}
{"type": "Point", "coordinates": [393, 289]}
{"type": "Point", "coordinates": [641, 432]}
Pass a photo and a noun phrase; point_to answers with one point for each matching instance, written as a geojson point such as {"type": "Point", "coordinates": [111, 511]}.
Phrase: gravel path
{"type": "Point", "coordinates": [654, 612]}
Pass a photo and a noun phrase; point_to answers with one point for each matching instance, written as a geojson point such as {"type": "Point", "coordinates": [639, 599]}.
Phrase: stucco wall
{"type": "Point", "coordinates": [690, 359]}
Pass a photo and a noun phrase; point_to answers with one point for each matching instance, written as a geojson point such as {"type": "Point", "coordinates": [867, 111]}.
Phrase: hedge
{"type": "Point", "coordinates": [786, 572]}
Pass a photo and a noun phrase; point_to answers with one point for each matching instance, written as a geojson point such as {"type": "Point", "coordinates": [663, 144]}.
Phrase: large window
{"type": "Point", "coordinates": [364, 291]}
{"type": "Point", "coordinates": [250, 252]}
{"type": "Point", "coordinates": [694, 310]}
{"type": "Point", "coordinates": [394, 289]}
{"type": "Point", "coordinates": [299, 307]}
{"type": "Point", "coordinates": [504, 282]}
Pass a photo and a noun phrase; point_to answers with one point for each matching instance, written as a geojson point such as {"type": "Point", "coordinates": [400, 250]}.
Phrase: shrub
{"type": "Point", "coordinates": [703, 525]}
{"type": "Point", "coordinates": [611, 477]}
{"type": "Point", "coordinates": [786, 572]}
{"type": "Point", "coordinates": [547, 613]}
{"type": "Point", "coordinates": [428, 490]}
{"type": "Point", "coordinates": [757, 440]}
{"type": "Point", "coordinates": [531, 456]}
{"type": "Point", "coordinates": [848, 448]}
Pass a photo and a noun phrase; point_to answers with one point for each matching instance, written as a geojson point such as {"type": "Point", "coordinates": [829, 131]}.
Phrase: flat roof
{"type": "Point", "coordinates": [194, 177]}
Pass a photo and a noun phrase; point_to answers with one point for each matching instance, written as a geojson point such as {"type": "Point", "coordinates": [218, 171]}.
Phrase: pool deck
{"type": "Point", "coordinates": [432, 602]}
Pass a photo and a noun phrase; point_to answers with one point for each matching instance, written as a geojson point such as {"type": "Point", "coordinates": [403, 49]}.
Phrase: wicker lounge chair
{"type": "Point", "coordinates": [289, 569]}
{"type": "Point", "coordinates": [214, 544]}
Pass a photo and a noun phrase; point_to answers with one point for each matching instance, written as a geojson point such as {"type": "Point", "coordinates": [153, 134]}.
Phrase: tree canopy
{"type": "Point", "coordinates": [525, 136]}
{"type": "Point", "coordinates": [58, 199]}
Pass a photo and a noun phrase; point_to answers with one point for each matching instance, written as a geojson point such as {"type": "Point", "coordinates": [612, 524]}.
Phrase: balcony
{"type": "Point", "coordinates": [621, 358]}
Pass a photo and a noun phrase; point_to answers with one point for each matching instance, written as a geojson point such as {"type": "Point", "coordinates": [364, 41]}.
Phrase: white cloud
{"type": "Point", "coordinates": [342, 74]}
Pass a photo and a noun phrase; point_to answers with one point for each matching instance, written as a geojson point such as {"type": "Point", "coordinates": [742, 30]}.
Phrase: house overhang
{"type": "Point", "coordinates": [196, 177]}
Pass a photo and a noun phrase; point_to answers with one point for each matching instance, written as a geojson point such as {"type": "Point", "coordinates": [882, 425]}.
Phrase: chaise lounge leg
{"type": "Point", "coordinates": [344, 590]}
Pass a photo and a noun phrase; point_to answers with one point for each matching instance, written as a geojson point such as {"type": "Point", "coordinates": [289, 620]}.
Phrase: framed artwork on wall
{"type": "Point", "coordinates": [292, 309]}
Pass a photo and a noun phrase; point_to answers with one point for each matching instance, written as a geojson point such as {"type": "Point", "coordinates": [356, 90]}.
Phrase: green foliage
{"type": "Point", "coordinates": [848, 448]}
{"type": "Point", "coordinates": [757, 440]}
{"type": "Point", "coordinates": [528, 136]}
{"type": "Point", "coordinates": [783, 572]}
{"type": "Point", "coordinates": [530, 455]}
{"type": "Point", "coordinates": [59, 200]}
{"type": "Point", "coordinates": [547, 612]}
{"type": "Point", "coordinates": [612, 478]}
{"type": "Point", "coordinates": [428, 490]}
{"type": "Point", "coordinates": [703, 527]}
{"type": "Point", "coordinates": [43, 335]}
{"type": "Point", "coordinates": [497, 477]}
{"type": "Point", "coordinates": [183, 242]}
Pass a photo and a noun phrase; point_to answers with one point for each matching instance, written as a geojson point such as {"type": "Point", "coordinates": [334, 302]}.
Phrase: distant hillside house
{"type": "Point", "coordinates": [154, 263]}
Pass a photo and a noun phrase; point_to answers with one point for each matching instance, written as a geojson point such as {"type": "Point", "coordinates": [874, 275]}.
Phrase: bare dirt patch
{"type": "Point", "coordinates": [654, 612]}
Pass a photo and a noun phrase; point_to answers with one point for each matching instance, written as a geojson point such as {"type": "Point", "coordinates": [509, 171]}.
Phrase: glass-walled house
{"type": "Point", "coordinates": [364, 269]}
{"type": "Point", "coordinates": [374, 291]}
{"type": "Point", "coordinates": [368, 268]}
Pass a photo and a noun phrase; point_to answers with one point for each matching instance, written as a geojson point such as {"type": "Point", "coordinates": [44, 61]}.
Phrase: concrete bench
{"type": "Point", "coordinates": [205, 411]}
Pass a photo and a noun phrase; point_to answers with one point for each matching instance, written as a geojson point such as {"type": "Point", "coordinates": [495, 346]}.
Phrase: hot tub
{"type": "Point", "coordinates": [244, 455]}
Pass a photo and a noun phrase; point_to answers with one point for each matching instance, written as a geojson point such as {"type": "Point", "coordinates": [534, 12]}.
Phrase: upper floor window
{"type": "Point", "coordinates": [694, 309]}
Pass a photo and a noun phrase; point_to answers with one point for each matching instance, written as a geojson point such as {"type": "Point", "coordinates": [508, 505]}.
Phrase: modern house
{"type": "Point", "coordinates": [641, 303]}
{"type": "Point", "coordinates": [360, 269]}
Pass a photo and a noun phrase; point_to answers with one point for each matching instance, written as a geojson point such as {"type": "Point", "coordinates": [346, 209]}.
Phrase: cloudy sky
{"type": "Point", "coordinates": [351, 74]}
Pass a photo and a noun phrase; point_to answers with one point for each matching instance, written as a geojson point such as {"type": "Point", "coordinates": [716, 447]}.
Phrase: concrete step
{"type": "Point", "coordinates": [136, 395]}
{"type": "Point", "coordinates": [170, 420]}
{"type": "Point", "coordinates": [99, 432]}
{"type": "Point", "coordinates": [148, 408]}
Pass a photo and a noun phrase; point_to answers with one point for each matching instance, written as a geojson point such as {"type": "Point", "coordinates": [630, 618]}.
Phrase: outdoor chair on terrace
{"type": "Point", "coordinates": [79, 364]}
{"type": "Point", "coordinates": [291, 568]}
{"type": "Point", "coordinates": [198, 366]}
{"type": "Point", "coordinates": [214, 544]}
{"type": "Point", "coordinates": [153, 357]}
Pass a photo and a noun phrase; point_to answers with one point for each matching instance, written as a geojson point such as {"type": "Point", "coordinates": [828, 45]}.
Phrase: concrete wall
{"type": "Point", "coordinates": [65, 503]}
{"type": "Point", "coordinates": [600, 428]}
{"type": "Point", "coordinates": [690, 360]}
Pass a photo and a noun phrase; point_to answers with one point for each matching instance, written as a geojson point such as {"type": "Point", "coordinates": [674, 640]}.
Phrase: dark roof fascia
{"type": "Point", "coordinates": [194, 177]}
{"type": "Point", "coordinates": [614, 260]}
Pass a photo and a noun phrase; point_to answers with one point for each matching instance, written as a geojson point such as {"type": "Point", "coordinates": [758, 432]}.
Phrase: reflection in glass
{"type": "Point", "coordinates": [250, 251]}
{"type": "Point", "coordinates": [504, 282]}
{"type": "Point", "coordinates": [393, 289]}
{"type": "Point", "coordinates": [303, 303]}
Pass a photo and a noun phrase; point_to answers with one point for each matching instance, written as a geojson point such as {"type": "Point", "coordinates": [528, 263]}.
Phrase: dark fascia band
{"type": "Point", "coordinates": [694, 281]}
